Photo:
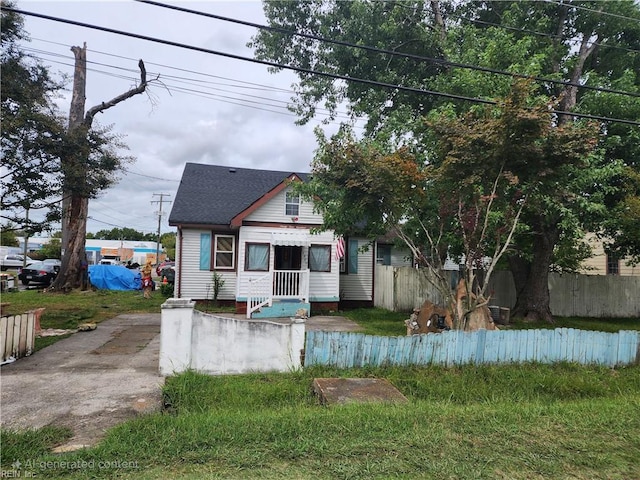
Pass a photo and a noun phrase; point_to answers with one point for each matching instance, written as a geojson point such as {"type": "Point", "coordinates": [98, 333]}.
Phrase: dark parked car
{"type": "Point", "coordinates": [38, 272]}
{"type": "Point", "coordinates": [169, 273]}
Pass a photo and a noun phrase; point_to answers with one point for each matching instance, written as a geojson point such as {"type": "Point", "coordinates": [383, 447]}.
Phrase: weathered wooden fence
{"type": "Point", "coordinates": [406, 288]}
{"type": "Point", "coordinates": [17, 336]}
{"type": "Point", "coordinates": [347, 350]}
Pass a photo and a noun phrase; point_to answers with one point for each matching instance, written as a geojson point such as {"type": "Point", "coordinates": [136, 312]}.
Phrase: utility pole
{"type": "Point", "coordinates": [161, 201]}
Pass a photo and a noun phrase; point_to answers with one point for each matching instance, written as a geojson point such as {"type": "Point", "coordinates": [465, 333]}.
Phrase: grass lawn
{"type": "Point", "coordinates": [498, 422]}
{"type": "Point", "coordinates": [503, 422]}
{"type": "Point", "coordinates": [377, 321]}
{"type": "Point", "coordinates": [67, 311]}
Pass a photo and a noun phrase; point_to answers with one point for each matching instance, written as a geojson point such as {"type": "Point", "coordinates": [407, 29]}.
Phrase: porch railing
{"type": "Point", "coordinates": [280, 284]}
{"type": "Point", "coordinates": [291, 284]}
{"type": "Point", "coordinates": [260, 293]}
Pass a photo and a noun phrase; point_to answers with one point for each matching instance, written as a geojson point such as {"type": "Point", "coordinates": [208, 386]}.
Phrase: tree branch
{"type": "Point", "coordinates": [91, 113]}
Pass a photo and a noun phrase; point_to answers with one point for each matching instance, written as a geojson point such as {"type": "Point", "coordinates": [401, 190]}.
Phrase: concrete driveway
{"type": "Point", "coordinates": [92, 381]}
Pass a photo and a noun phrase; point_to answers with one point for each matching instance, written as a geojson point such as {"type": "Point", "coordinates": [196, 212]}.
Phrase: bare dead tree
{"type": "Point", "coordinates": [76, 194]}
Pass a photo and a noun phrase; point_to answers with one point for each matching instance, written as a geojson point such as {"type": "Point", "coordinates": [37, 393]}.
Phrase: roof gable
{"type": "Point", "coordinates": [220, 195]}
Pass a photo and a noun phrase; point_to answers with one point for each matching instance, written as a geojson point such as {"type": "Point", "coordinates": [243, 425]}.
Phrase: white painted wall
{"type": "Point", "coordinates": [190, 339]}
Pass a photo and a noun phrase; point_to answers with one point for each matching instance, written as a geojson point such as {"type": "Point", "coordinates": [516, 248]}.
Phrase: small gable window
{"type": "Point", "coordinates": [224, 252]}
{"type": "Point", "coordinates": [292, 204]}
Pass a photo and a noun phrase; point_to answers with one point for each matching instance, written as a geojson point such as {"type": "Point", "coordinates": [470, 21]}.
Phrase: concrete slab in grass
{"type": "Point", "coordinates": [333, 391]}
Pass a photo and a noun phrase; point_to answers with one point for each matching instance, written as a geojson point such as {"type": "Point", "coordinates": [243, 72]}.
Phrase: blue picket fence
{"type": "Point", "coordinates": [347, 350]}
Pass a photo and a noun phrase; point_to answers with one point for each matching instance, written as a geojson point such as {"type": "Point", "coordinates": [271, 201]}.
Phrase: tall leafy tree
{"type": "Point", "coordinates": [568, 47]}
{"type": "Point", "coordinates": [32, 134]}
{"type": "Point", "coordinates": [467, 203]}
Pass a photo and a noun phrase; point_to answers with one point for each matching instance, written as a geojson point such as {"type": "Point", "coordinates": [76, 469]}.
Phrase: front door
{"type": "Point", "coordinates": [288, 258]}
{"type": "Point", "coordinates": [285, 282]}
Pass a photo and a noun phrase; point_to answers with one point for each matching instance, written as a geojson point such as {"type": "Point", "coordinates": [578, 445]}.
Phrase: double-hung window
{"type": "Point", "coordinates": [292, 204]}
{"type": "Point", "coordinates": [224, 252]}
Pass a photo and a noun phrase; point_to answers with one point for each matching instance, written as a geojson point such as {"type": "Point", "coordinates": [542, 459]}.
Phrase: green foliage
{"type": "Point", "coordinates": [166, 289]}
{"type": "Point", "coordinates": [52, 249]}
{"type": "Point", "coordinates": [168, 241]}
{"type": "Point", "coordinates": [32, 132]}
{"type": "Point", "coordinates": [566, 195]}
{"type": "Point", "coordinates": [124, 234]}
{"type": "Point", "coordinates": [8, 236]}
{"type": "Point", "coordinates": [218, 282]}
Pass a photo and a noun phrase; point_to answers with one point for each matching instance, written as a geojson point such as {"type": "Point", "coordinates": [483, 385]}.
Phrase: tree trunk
{"type": "Point", "coordinates": [75, 207]}
{"type": "Point", "coordinates": [533, 301]}
{"type": "Point", "coordinates": [520, 269]}
{"type": "Point", "coordinates": [72, 260]}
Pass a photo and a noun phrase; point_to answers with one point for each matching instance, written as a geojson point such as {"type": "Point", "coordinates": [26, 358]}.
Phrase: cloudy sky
{"type": "Point", "coordinates": [205, 108]}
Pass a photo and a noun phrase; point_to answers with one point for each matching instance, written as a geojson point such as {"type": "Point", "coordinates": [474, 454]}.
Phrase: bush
{"type": "Point", "coordinates": [166, 289]}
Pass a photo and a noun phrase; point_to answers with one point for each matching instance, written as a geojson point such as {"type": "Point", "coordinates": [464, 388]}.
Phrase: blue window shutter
{"type": "Point", "coordinates": [205, 251]}
{"type": "Point", "coordinates": [353, 256]}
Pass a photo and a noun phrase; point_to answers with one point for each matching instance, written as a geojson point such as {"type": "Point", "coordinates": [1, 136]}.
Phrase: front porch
{"type": "Point", "coordinates": [279, 293]}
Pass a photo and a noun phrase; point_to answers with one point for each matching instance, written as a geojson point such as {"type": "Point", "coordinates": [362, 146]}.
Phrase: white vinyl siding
{"type": "Point", "coordinates": [274, 212]}
{"type": "Point", "coordinates": [195, 283]}
{"type": "Point", "coordinates": [323, 286]}
{"type": "Point", "coordinates": [359, 286]}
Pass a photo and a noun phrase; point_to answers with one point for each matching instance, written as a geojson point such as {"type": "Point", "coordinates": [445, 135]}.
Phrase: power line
{"type": "Point", "coordinates": [149, 176]}
{"type": "Point", "coordinates": [189, 91]}
{"type": "Point", "coordinates": [303, 70]}
{"type": "Point", "coordinates": [540, 34]}
{"type": "Point", "coordinates": [245, 84]}
{"type": "Point", "coordinates": [599, 12]}
{"type": "Point", "coordinates": [385, 51]}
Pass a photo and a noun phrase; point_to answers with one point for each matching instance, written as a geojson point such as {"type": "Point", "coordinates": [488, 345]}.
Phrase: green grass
{"type": "Point", "coordinates": [66, 311]}
{"type": "Point", "coordinates": [504, 422]}
{"type": "Point", "coordinates": [377, 321]}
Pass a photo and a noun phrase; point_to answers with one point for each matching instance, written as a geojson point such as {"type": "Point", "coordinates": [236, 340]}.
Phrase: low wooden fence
{"type": "Point", "coordinates": [404, 288]}
{"type": "Point", "coordinates": [17, 336]}
{"type": "Point", "coordinates": [348, 350]}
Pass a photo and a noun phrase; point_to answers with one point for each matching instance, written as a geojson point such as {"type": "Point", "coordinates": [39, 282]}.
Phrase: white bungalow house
{"type": "Point", "coordinates": [251, 229]}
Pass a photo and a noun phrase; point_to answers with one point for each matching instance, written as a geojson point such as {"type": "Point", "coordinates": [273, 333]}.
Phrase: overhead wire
{"type": "Point", "coordinates": [599, 12]}
{"type": "Point", "coordinates": [245, 84]}
{"type": "Point", "coordinates": [384, 51]}
{"type": "Point", "coordinates": [199, 93]}
{"type": "Point", "coordinates": [540, 34]}
{"type": "Point", "coordinates": [305, 70]}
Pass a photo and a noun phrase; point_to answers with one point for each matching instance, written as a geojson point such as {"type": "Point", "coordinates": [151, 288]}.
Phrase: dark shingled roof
{"type": "Point", "coordinates": [213, 194]}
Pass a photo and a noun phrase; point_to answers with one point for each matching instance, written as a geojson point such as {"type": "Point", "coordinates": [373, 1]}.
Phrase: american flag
{"type": "Point", "coordinates": [339, 248]}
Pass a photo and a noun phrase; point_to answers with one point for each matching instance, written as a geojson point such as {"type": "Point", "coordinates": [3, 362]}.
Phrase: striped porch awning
{"type": "Point", "coordinates": [290, 239]}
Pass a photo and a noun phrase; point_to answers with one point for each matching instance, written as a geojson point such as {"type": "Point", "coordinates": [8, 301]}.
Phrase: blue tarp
{"type": "Point", "coordinates": [114, 277]}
